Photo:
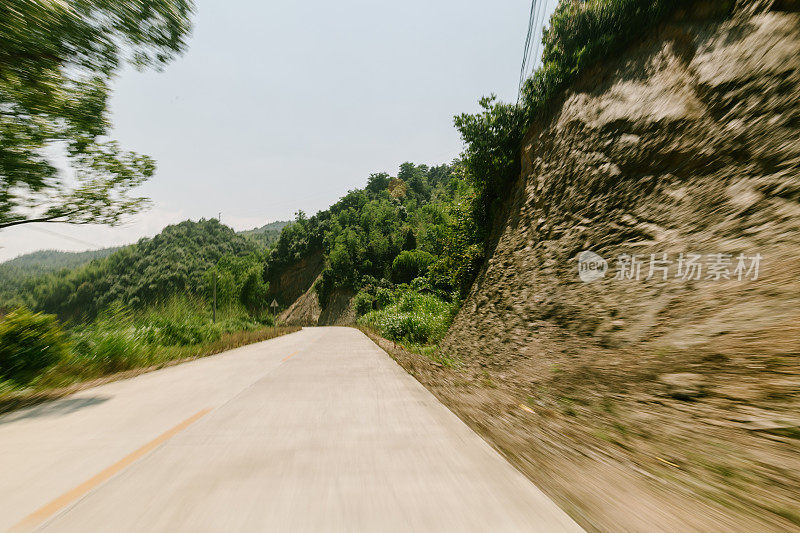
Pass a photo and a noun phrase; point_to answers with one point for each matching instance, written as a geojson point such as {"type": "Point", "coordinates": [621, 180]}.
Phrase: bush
{"type": "Point", "coordinates": [383, 297]}
{"type": "Point", "coordinates": [29, 343]}
{"type": "Point", "coordinates": [411, 264]}
{"type": "Point", "coordinates": [185, 333]}
{"type": "Point", "coordinates": [363, 302]}
{"type": "Point", "coordinates": [415, 318]}
{"type": "Point", "coordinates": [254, 290]}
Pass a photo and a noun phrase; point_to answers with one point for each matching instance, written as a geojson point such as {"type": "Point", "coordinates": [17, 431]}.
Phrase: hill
{"type": "Point", "coordinates": [44, 261]}
{"type": "Point", "coordinates": [177, 261]}
{"type": "Point", "coordinates": [268, 234]}
{"type": "Point", "coordinates": [395, 230]}
{"type": "Point", "coordinates": [15, 272]}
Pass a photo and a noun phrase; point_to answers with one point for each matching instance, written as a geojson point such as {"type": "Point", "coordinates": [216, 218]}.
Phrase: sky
{"type": "Point", "coordinates": [282, 106]}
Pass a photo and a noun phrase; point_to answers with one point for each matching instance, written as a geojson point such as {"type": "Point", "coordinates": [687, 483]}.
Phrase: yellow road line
{"type": "Point", "coordinates": [289, 356]}
{"type": "Point", "coordinates": [48, 510]}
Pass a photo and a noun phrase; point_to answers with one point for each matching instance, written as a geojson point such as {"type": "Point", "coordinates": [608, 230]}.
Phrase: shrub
{"type": "Point", "coordinates": [363, 302]}
{"type": "Point", "coordinates": [415, 318]}
{"type": "Point", "coordinates": [267, 320]}
{"type": "Point", "coordinates": [411, 264]}
{"type": "Point", "coordinates": [29, 343]}
{"type": "Point", "coordinates": [185, 333]}
{"type": "Point", "coordinates": [254, 290]}
{"type": "Point", "coordinates": [383, 297]}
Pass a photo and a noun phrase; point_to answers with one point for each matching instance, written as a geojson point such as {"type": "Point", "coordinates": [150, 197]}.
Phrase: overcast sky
{"type": "Point", "coordinates": [280, 106]}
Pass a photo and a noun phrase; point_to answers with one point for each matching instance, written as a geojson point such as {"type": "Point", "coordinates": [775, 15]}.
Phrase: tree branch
{"type": "Point", "coordinates": [52, 218]}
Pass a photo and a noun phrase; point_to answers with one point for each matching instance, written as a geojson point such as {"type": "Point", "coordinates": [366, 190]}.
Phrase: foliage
{"type": "Point", "coordinates": [412, 317]}
{"type": "Point", "coordinates": [103, 351]}
{"type": "Point", "coordinates": [383, 297]}
{"type": "Point", "coordinates": [29, 342]}
{"type": "Point", "coordinates": [179, 260]}
{"type": "Point", "coordinates": [57, 63]}
{"type": "Point", "coordinates": [410, 264]}
{"type": "Point", "coordinates": [493, 140]}
{"type": "Point", "coordinates": [15, 272]}
{"type": "Point", "coordinates": [462, 252]}
{"type": "Point", "coordinates": [268, 234]}
{"type": "Point", "coordinates": [363, 302]}
{"type": "Point", "coordinates": [397, 189]}
{"type": "Point", "coordinates": [119, 339]}
{"type": "Point", "coordinates": [362, 234]}
{"type": "Point", "coordinates": [253, 292]}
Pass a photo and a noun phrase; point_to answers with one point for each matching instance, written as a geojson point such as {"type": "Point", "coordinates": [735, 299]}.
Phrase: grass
{"type": "Point", "coordinates": [71, 376]}
{"type": "Point", "coordinates": [129, 341]}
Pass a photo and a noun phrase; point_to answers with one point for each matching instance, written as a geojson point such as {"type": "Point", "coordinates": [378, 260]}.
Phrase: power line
{"type": "Point", "coordinates": [526, 50]}
{"type": "Point", "coordinates": [75, 239]}
{"type": "Point", "coordinates": [533, 47]}
{"type": "Point", "coordinates": [540, 30]}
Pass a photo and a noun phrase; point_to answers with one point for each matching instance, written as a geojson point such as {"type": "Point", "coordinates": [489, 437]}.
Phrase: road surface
{"type": "Point", "coordinates": [314, 431]}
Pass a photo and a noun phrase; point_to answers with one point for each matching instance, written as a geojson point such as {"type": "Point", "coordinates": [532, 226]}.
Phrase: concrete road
{"type": "Point", "coordinates": [314, 431]}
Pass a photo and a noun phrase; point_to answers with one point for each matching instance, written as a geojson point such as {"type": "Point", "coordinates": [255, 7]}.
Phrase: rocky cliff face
{"type": "Point", "coordinates": [687, 145]}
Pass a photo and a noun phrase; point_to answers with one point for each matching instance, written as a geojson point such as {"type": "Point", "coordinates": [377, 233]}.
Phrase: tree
{"type": "Point", "coordinates": [254, 290]}
{"type": "Point", "coordinates": [410, 264]}
{"type": "Point", "coordinates": [378, 182]}
{"type": "Point", "coordinates": [57, 61]}
{"type": "Point", "coordinates": [397, 188]}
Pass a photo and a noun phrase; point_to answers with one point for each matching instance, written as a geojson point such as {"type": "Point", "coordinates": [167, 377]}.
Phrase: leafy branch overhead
{"type": "Point", "coordinates": [57, 61]}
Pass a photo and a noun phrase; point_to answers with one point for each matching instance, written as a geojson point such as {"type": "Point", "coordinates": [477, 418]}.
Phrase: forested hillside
{"type": "Point", "coordinates": [398, 236]}
{"type": "Point", "coordinates": [14, 272]}
{"type": "Point", "coordinates": [268, 234]}
{"type": "Point", "coordinates": [374, 241]}
{"type": "Point", "coordinates": [178, 261]}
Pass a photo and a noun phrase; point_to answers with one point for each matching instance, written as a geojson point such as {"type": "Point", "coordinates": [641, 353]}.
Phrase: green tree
{"type": "Point", "coordinates": [411, 264]}
{"type": "Point", "coordinates": [57, 62]}
{"type": "Point", "coordinates": [378, 182]}
{"type": "Point", "coordinates": [254, 290]}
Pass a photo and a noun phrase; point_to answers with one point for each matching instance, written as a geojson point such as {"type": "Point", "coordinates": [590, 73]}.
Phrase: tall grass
{"type": "Point", "coordinates": [122, 339]}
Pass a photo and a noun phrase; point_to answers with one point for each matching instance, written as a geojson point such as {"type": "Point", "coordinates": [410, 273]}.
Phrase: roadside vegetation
{"type": "Point", "coordinates": [398, 244]}
{"type": "Point", "coordinates": [181, 260]}
{"type": "Point", "coordinates": [406, 314]}
{"type": "Point", "coordinates": [37, 352]}
{"type": "Point", "coordinates": [141, 306]}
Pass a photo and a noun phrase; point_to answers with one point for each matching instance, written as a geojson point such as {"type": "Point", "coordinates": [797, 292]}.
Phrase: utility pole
{"type": "Point", "coordinates": [214, 312]}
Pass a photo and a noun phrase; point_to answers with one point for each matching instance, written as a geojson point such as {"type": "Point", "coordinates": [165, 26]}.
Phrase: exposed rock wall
{"type": "Point", "coordinates": [288, 284]}
{"type": "Point", "coordinates": [689, 143]}
{"type": "Point", "coordinates": [340, 310]}
{"type": "Point", "coordinates": [304, 311]}
{"type": "Point", "coordinates": [686, 143]}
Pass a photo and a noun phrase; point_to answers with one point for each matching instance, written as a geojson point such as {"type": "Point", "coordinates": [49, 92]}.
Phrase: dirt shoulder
{"type": "Point", "coordinates": [627, 460]}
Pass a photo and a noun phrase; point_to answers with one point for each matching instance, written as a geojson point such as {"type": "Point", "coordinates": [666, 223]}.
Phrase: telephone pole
{"type": "Point", "coordinates": [214, 312]}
